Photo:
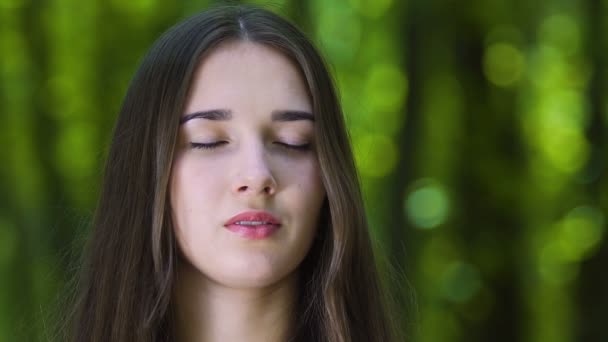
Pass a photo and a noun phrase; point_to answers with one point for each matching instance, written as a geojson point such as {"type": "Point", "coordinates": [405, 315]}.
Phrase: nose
{"type": "Point", "coordinates": [254, 175]}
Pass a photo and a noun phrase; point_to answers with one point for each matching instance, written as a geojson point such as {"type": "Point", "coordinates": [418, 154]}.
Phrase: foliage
{"type": "Point", "coordinates": [480, 132]}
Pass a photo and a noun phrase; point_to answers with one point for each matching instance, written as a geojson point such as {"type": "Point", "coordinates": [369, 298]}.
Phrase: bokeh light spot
{"type": "Point", "coordinates": [503, 64]}
{"type": "Point", "coordinates": [376, 154]}
{"type": "Point", "coordinates": [571, 240]}
{"type": "Point", "coordinates": [547, 68]}
{"type": "Point", "coordinates": [563, 109]}
{"type": "Point", "coordinates": [567, 149]}
{"type": "Point", "coordinates": [384, 95]}
{"type": "Point", "coordinates": [386, 88]}
{"type": "Point", "coordinates": [580, 233]}
{"type": "Point", "coordinates": [461, 281]}
{"type": "Point", "coordinates": [427, 205]}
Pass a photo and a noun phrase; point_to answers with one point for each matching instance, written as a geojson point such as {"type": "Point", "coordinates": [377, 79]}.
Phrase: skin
{"type": "Point", "coordinates": [230, 288]}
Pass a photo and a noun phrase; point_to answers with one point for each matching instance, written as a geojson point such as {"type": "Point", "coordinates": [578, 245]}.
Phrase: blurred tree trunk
{"type": "Point", "coordinates": [401, 240]}
{"type": "Point", "coordinates": [490, 151]}
{"type": "Point", "coordinates": [593, 283]}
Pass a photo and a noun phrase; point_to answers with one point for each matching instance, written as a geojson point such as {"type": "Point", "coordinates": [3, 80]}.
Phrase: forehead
{"type": "Point", "coordinates": [248, 74]}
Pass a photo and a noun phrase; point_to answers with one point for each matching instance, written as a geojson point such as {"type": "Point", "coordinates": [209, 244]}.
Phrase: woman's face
{"type": "Point", "coordinates": [251, 103]}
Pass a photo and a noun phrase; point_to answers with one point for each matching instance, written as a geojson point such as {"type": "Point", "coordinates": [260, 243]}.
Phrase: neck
{"type": "Point", "coordinates": [207, 311]}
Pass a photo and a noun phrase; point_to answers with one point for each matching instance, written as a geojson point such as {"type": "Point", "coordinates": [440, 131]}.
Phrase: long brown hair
{"type": "Point", "coordinates": [124, 292]}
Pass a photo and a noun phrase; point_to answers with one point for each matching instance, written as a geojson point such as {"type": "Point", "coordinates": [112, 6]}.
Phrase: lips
{"type": "Point", "coordinates": [253, 224]}
{"type": "Point", "coordinates": [254, 216]}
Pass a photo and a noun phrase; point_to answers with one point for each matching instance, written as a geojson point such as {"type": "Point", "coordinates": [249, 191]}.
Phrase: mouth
{"type": "Point", "coordinates": [253, 225]}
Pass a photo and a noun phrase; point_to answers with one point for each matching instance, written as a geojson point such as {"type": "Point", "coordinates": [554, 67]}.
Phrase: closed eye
{"type": "Point", "coordinates": [209, 146]}
{"type": "Point", "coordinates": [303, 147]}
{"type": "Point", "coordinates": [216, 144]}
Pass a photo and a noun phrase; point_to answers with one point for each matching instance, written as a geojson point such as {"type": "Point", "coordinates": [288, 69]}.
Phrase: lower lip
{"type": "Point", "coordinates": [254, 232]}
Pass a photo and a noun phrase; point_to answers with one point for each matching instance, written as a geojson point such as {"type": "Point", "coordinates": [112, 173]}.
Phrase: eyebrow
{"type": "Point", "coordinates": [215, 115]}
{"type": "Point", "coordinates": [225, 115]}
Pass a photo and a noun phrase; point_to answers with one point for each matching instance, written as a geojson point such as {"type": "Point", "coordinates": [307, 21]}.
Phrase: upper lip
{"type": "Point", "coordinates": [262, 216]}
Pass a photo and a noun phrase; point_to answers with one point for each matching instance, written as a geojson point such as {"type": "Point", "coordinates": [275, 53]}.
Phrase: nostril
{"type": "Point", "coordinates": [266, 189]}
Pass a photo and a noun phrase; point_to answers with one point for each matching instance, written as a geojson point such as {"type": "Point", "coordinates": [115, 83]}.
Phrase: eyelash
{"type": "Point", "coordinates": [213, 145]}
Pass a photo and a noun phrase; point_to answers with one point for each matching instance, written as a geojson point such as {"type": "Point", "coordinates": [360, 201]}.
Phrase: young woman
{"type": "Point", "coordinates": [230, 208]}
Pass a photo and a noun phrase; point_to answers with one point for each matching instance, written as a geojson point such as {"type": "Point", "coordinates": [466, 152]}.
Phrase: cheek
{"type": "Point", "coordinates": [193, 197]}
{"type": "Point", "coordinates": [189, 185]}
{"type": "Point", "coordinates": [309, 180]}
{"type": "Point", "coordinates": [304, 192]}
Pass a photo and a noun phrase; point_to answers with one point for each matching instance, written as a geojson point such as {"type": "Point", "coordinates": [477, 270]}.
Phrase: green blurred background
{"type": "Point", "coordinates": [480, 131]}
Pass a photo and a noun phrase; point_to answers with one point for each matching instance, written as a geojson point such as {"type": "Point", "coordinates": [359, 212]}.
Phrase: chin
{"type": "Point", "coordinates": [254, 275]}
